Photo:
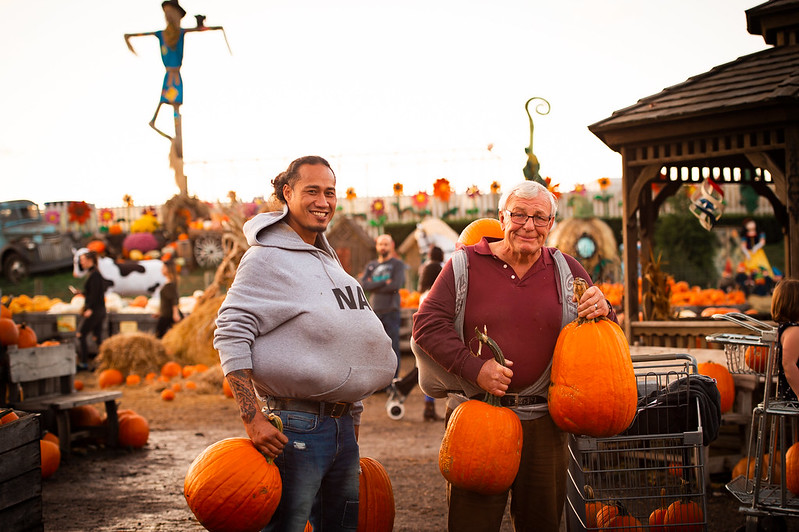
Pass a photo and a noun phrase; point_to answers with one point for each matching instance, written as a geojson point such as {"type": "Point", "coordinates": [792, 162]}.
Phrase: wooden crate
{"type": "Point", "coordinates": [20, 474]}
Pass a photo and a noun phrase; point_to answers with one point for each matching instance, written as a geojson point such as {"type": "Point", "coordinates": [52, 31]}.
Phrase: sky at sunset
{"type": "Point", "coordinates": [388, 91]}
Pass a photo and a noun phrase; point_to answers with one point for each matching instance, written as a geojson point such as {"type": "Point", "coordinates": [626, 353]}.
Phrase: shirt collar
{"type": "Point", "coordinates": [481, 248]}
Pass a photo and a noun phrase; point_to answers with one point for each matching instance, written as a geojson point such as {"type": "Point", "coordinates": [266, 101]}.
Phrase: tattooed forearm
{"type": "Point", "coordinates": [241, 384]}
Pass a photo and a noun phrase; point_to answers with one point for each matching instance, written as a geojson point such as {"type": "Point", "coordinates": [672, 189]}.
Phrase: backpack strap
{"type": "Point", "coordinates": [460, 268]}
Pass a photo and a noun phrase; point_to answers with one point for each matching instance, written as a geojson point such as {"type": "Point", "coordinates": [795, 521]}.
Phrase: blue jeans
{"type": "Point", "coordinates": [391, 323]}
{"type": "Point", "coordinates": [319, 469]}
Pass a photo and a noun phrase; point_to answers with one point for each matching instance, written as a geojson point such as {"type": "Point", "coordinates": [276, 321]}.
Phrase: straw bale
{"type": "Point", "coordinates": [209, 381]}
{"type": "Point", "coordinates": [191, 339]}
{"type": "Point", "coordinates": [135, 352]}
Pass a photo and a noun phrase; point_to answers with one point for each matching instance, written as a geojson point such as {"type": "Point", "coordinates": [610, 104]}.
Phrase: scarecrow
{"type": "Point", "coordinates": [171, 40]}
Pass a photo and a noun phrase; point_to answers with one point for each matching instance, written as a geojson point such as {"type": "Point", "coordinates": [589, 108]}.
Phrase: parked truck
{"type": "Point", "coordinates": [28, 244]}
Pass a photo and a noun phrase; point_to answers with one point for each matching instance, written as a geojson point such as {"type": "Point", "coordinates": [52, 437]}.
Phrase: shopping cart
{"type": "Point", "coordinates": [657, 461]}
{"type": "Point", "coordinates": [762, 493]}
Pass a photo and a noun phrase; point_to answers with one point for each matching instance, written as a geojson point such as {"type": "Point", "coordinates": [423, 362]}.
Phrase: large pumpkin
{"type": "Point", "coordinates": [375, 498]}
{"type": "Point", "coordinates": [684, 516]}
{"type": "Point", "coordinates": [9, 333]}
{"type": "Point", "coordinates": [134, 431]}
{"type": "Point", "coordinates": [85, 416]}
{"type": "Point", "coordinates": [593, 389]}
{"type": "Point", "coordinates": [232, 487]}
{"type": "Point", "coordinates": [724, 382]}
{"type": "Point", "coordinates": [110, 377]}
{"type": "Point", "coordinates": [475, 231]}
{"type": "Point", "coordinates": [27, 336]}
{"type": "Point", "coordinates": [482, 445]}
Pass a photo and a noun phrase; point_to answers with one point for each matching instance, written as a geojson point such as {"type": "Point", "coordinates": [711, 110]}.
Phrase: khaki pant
{"type": "Point", "coordinates": [536, 496]}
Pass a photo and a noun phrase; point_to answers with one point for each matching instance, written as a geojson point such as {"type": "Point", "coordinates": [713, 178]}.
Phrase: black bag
{"type": "Point", "coordinates": [673, 409]}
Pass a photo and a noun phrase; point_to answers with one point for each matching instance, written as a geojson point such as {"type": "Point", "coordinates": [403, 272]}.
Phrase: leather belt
{"type": "Point", "coordinates": [320, 408]}
{"type": "Point", "coordinates": [512, 400]}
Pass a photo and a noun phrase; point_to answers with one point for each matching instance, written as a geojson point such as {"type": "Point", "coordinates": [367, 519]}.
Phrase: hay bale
{"type": "Point", "coordinates": [209, 381]}
{"type": "Point", "coordinates": [191, 340]}
{"type": "Point", "coordinates": [136, 352]}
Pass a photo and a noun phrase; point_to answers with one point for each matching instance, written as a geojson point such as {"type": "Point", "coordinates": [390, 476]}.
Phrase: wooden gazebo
{"type": "Point", "coordinates": [735, 124]}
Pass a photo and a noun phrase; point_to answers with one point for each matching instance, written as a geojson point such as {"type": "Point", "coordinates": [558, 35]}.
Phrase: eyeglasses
{"type": "Point", "coordinates": [520, 218]}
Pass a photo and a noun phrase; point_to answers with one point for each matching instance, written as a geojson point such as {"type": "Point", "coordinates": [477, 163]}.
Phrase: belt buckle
{"type": "Point", "coordinates": [512, 399]}
{"type": "Point", "coordinates": [339, 409]}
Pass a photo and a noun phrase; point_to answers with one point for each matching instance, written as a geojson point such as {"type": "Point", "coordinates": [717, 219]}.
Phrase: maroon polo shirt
{"type": "Point", "coordinates": [522, 315]}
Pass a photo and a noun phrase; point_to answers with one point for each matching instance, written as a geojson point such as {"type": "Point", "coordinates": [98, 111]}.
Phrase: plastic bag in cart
{"type": "Point", "coordinates": [671, 409]}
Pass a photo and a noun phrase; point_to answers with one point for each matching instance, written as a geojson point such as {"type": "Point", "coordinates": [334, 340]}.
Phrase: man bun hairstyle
{"type": "Point", "coordinates": [292, 174]}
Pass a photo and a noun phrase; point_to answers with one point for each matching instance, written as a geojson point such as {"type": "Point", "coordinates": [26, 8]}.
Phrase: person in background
{"type": "Point", "coordinates": [517, 291]}
{"type": "Point", "coordinates": [169, 311]}
{"type": "Point", "coordinates": [94, 312]}
{"type": "Point", "coordinates": [785, 311]}
{"type": "Point", "coordinates": [296, 332]}
{"type": "Point", "coordinates": [383, 278]}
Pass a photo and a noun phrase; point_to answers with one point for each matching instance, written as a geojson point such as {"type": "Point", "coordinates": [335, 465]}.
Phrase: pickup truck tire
{"type": "Point", "coordinates": [15, 268]}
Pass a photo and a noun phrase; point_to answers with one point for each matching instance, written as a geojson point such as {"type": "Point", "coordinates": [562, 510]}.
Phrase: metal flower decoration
{"type": "Point", "coordinates": [79, 211]}
{"type": "Point", "coordinates": [106, 216]}
{"type": "Point", "coordinates": [398, 189]}
{"type": "Point", "coordinates": [421, 199]}
{"type": "Point", "coordinates": [378, 207]}
{"type": "Point", "coordinates": [52, 217]}
{"type": "Point", "coordinates": [127, 200]}
{"type": "Point", "coordinates": [442, 189]}
{"type": "Point", "coordinates": [473, 192]}
{"type": "Point", "coordinates": [495, 187]}
{"type": "Point", "coordinates": [351, 195]}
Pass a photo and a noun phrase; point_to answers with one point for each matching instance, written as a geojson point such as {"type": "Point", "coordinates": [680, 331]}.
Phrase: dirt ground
{"type": "Point", "coordinates": [101, 489]}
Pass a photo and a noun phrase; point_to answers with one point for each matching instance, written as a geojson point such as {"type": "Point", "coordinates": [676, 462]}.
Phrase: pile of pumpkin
{"type": "Point", "coordinates": [26, 303]}
{"type": "Point", "coordinates": [169, 371]}
{"type": "Point", "coordinates": [681, 295]}
{"type": "Point", "coordinates": [18, 334]}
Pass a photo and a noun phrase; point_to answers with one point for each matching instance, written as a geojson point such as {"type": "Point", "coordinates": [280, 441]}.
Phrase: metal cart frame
{"type": "Point", "coordinates": [651, 464]}
{"type": "Point", "coordinates": [764, 495]}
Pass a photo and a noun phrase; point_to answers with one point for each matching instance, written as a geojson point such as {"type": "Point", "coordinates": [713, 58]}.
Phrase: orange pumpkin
{"type": "Point", "coordinates": [482, 443]}
{"type": "Point", "coordinates": [171, 369]}
{"type": "Point", "coordinates": [110, 377]}
{"type": "Point", "coordinates": [191, 385]}
{"type": "Point", "coordinates": [139, 301]}
{"type": "Point", "coordinates": [27, 336]}
{"type": "Point", "coordinates": [85, 416]}
{"type": "Point", "coordinates": [724, 382]}
{"type": "Point", "coordinates": [756, 357]}
{"type": "Point", "coordinates": [132, 380]}
{"type": "Point", "coordinates": [792, 469]}
{"type": "Point", "coordinates": [626, 523]}
{"type": "Point", "coordinates": [226, 388]}
{"type": "Point", "coordinates": [375, 498]}
{"type": "Point", "coordinates": [9, 333]}
{"type": "Point", "coordinates": [592, 508]}
{"type": "Point", "coordinates": [134, 431]}
{"type": "Point", "coordinates": [606, 514]}
{"type": "Point", "coordinates": [168, 394]}
{"type": "Point", "coordinates": [230, 486]}
{"type": "Point", "coordinates": [684, 516]}
{"type": "Point", "coordinates": [50, 457]}
{"type": "Point", "coordinates": [4, 312]}
{"type": "Point", "coordinates": [49, 436]}
{"type": "Point", "coordinates": [593, 390]}
{"type": "Point", "coordinates": [78, 384]}
{"type": "Point", "coordinates": [475, 231]}
{"type": "Point", "coordinates": [9, 417]}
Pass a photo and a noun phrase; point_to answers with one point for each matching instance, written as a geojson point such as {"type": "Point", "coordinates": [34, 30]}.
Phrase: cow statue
{"type": "Point", "coordinates": [131, 278]}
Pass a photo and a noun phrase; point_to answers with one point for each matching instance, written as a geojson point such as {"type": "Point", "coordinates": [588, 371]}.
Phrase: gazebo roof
{"type": "Point", "coordinates": [752, 81]}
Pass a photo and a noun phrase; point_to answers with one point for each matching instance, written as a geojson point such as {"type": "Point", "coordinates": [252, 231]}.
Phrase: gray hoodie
{"type": "Point", "coordinates": [310, 336]}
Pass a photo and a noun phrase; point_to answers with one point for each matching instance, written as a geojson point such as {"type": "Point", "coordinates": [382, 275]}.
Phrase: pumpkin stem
{"type": "Point", "coordinates": [275, 420]}
{"type": "Point", "coordinates": [580, 286]}
{"type": "Point", "coordinates": [483, 338]}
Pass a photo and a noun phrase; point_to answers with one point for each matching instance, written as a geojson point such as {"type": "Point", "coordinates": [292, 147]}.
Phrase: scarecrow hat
{"type": "Point", "coordinates": [176, 5]}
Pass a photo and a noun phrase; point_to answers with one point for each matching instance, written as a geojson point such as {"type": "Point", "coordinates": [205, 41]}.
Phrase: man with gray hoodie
{"type": "Point", "coordinates": [296, 331]}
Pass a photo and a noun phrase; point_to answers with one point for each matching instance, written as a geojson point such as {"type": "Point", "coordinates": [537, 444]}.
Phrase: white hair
{"type": "Point", "coordinates": [528, 190]}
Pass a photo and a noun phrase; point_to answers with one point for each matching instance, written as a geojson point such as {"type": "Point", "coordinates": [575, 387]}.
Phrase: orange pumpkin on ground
{"type": "Point", "coordinates": [167, 394]}
{"type": "Point", "coordinates": [475, 231]}
{"type": "Point", "coordinates": [226, 388]}
{"type": "Point", "coordinates": [375, 498]}
{"type": "Point", "coordinates": [230, 486]}
{"type": "Point", "coordinates": [50, 457]}
{"type": "Point", "coordinates": [171, 369]}
{"type": "Point", "coordinates": [134, 431]}
{"type": "Point", "coordinates": [191, 385]}
{"type": "Point", "coordinates": [49, 436]}
{"type": "Point", "coordinates": [85, 416]}
{"type": "Point", "coordinates": [132, 380]}
{"type": "Point", "coordinates": [470, 460]}
{"type": "Point", "coordinates": [724, 382]}
{"type": "Point", "coordinates": [110, 377]}
{"type": "Point", "coordinates": [593, 389]}
{"type": "Point", "coordinates": [78, 385]}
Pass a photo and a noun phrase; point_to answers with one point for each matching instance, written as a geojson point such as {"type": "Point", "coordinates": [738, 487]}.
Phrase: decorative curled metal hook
{"type": "Point", "coordinates": [541, 108]}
